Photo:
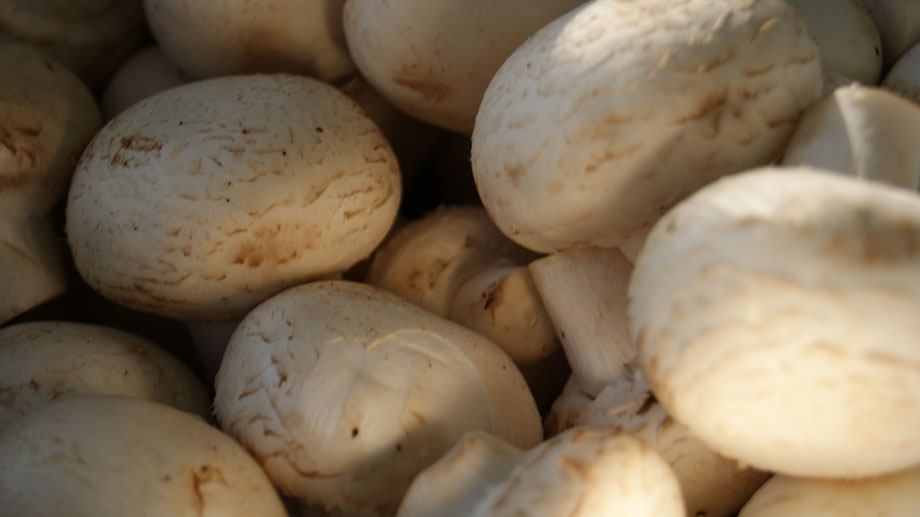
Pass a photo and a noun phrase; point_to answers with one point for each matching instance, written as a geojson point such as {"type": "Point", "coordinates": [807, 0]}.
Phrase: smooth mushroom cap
{"type": "Point", "coordinates": [209, 39]}
{"type": "Point", "coordinates": [775, 315]}
{"type": "Point", "coordinates": [434, 59]}
{"type": "Point", "coordinates": [110, 456]}
{"type": "Point", "coordinates": [203, 200]}
{"type": "Point", "coordinates": [344, 392]}
{"type": "Point", "coordinates": [428, 260]}
{"type": "Point", "coordinates": [612, 113]}
{"type": "Point", "coordinates": [904, 77]}
{"type": "Point", "coordinates": [144, 73]}
{"type": "Point", "coordinates": [894, 495]}
{"type": "Point", "coordinates": [860, 131]}
{"type": "Point", "coordinates": [90, 37]}
{"type": "Point", "coordinates": [41, 361]}
{"type": "Point", "coordinates": [898, 25]}
{"type": "Point", "coordinates": [584, 472]}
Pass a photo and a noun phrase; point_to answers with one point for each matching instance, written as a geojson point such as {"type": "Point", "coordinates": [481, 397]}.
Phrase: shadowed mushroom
{"type": "Point", "coordinates": [208, 39]}
{"type": "Point", "coordinates": [109, 456]}
{"type": "Point", "coordinates": [787, 292]}
{"type": "Point", "coordinates": [904, 77]}
{"type": "Point", "coordinates": [614, 112]}
{"type": "Point", "coordinates": [146, 72]}
{"type": "Point", "coordinates": [203, 200]}
{"type": "Point", "coordinates": [47, 116]}
{"type": "Point", "coordinates": [898, 25]}
{"type": "Point", "coordinates": [434, 59]}
{"type": "Point", "coordinates": [344, 392]}
{"type": "Point", "coordinates": [41, 361]}
{"type": "Point", "coordinates": [583, 472]}
{"type": "Point", "coordinates": [860, 131]}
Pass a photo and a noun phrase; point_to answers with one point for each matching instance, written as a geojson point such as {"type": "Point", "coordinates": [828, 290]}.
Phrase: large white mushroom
{"type": "Point", "coordinates": [208, 39]}
{"type": "Point", "coordinates": [584, 472]}
{"type": "Point", "coordinates": [612, 113]}
{"type": "Point", "coordinates": [110, 456]}
{"type": "Point", "coordinates": [47, 116]}
{"type": "Point", "coordinates": [775, 315]}
{"type": "Point", "coordinates": [41, 361]}
{"type": "Point", "coordinates": [203, 200]}
{"type": "Point", "coordinates": [344, 392]}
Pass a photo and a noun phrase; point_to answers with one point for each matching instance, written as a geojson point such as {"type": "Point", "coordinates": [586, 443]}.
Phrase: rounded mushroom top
{"type": "Point", "coordinates": [792, 292]}
{"type": "Point", "coordinates": [41, 361]}
{"type": "Point", "coordinates": [144, 73]}
{"type": "Point", "coordinates": [208, 39]}
{"type": "Point", "coordinates": [47, 116]}
{"type": "Point", "coordinates": [344, 392]}
{"type": "Point", "coordinates": [203, 200]}
{"type": "Point", "coordinates": [612, 113]}
{"type": "Point", "coordinates": [110, 456]}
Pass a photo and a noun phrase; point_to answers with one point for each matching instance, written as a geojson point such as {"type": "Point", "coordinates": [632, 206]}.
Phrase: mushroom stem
{"type": "Point", "coordinates": [28, 249]}
{"type": "Point", "coordinates": [584, 291]}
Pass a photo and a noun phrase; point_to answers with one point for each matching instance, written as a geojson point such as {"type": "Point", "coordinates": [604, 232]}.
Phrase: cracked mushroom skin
{"type": "Point", "coordinates": [110, 456]}
{"type": "Point", "coordinates": [209, 39]}
{"type": "Point", "coordinates": [775, 315]}
{"type": "Point", "coordinates": [584, 472]}
{"type": "Point", "coordinates": [47, 116]}
{"type": "Point", "coordinates": [614, 112]}
{"type": "Point", "coordinates": [203, 200]}
{"type": "Point", "coordinates": [344, 392]}
{"type": "Point", "coordinates": [40, 361]}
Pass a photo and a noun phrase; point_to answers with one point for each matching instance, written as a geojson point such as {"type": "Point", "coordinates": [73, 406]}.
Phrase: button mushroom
{"type": "Point", "coordinates": [144, 73]}
{"type": "Point", "coordinates": [898, 24]}
{"type": "Point", "coordinates": [344, 392]}
{"type": "Point", "coordinates": [612, 113]}
{"type": "Point", "coordinates": [110, 456]}
{"type": "Point", "coordinates": [47, 116]}
{"type": "Point", "coordinates": [775, 315]}
{"type": "Point", "coordinates": [40, 361]}
{"type": "Point", "coordinates": [203, 200]}
{"type": "Point", "coordinates": [904, 77]}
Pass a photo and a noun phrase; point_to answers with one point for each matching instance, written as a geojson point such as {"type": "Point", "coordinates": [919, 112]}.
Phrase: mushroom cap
{"type": "Point", "coordinates": [898, 24]}
{"type": "Point", "coordinates": [47, 116]}
{"type": "Point", "coordinates": [90, 37]}
{"type": "Point", "coordinates": [775, 315]}
{"type": "Point", "coordinates": [583, 472]}
{"type": "Point", "coordinates": [344, 392]}
{"type": "Point", "coordinates": [144, 73]}
{"type": "Point", "coordinates": [110, 456]}
{"type": "Point", "coordinates": [612, 113]}
{"type": "Point", "coordinates": [208, 39]}
{"type": "Point", "coordinates": [428, 260]}
{"type": "Point", "coordinates": [434, 59]}
{"type": "Point", "coordinates": [904, 77]}
{"type": "Point", "coordinates": [860, 131]}
{"type": "Point", "coordinates": [894, 495]}
{"type": "Point", "coordinates": [40, 361]}
{"type": "Point", "coordinates": [203, 200]}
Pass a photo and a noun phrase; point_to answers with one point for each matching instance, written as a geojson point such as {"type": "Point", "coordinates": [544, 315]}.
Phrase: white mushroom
{"type": "Point", "coordinates": [203, 200]}
{"type": "Point", "coordinates": [208, 39]}
{"type": "Point", "coordinates": [775, 315]}
{"type": "Point", "coordinates": [614, 112]}
{"type": "Point", "coordinates": [109, 456]}
{"type": "Point", "coordinates": [584, 472]}
{"type": "Point", "coordinates": [41, 361]}
{"type": "Point", "coordinates": [344, 392]}
{"type": "Point", "coordinates": [47, 116]}
{"type": "Point", "coordinates": [860, 131]}
{"type": "Point", "coordinates": [894, 495]}
{"type": "Point", "coordinates": [434, 59]}
{"type": "Point", "coordinates": [144, 73]}
{"type": "Point", "coordinates": [90, 37]}
{"type": "Point", "coordinates": [898, 25]}
{"type": "Point", "coordinates": [904, 77]}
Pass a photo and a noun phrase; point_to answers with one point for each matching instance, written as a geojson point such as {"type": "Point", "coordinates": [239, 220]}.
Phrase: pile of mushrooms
{"type": "Point", "coordinates": [351, 258]}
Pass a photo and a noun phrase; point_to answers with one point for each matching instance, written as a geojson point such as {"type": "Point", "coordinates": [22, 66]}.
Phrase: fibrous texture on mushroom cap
{"type": "Point", "coordinates": [612, 113]}
{"type": "Point", "coordinates": [41, 361]}
{"type": "Point", "coordinates": [584, 472]}
{"type": "Point", "coordinates": [111, 456]}
{"type": "Point", "coordinates": [344, 392]}
{"type": "Point", "coordinates": [434, 59]}
{"type": "Point", "coordinates": [91, 37]}
{"type": "Point", "coordinates": [203, 200]}
{"type": "Point", "coordinates": [208, 39]}
{"type": "Point", "coordinates": [775, 315]}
